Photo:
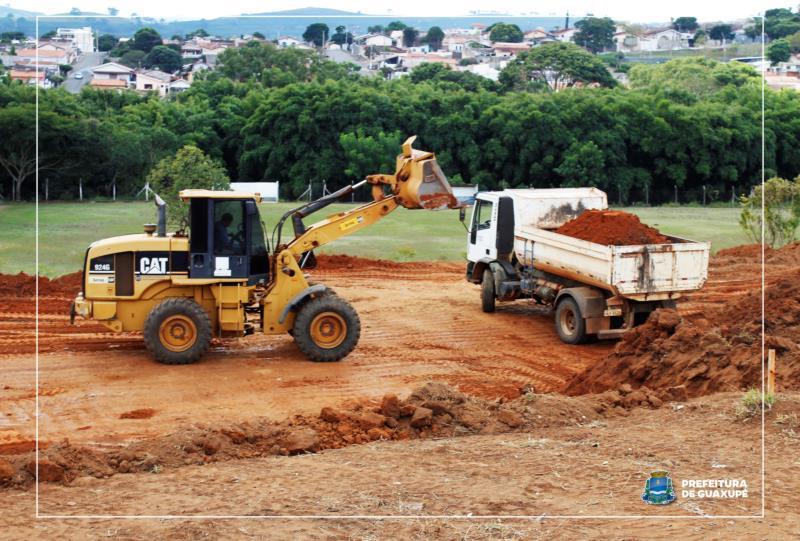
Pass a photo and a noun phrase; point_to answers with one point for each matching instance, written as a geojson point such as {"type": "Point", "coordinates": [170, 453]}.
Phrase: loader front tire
{"type": "Point", "coordinates": [487, 292]}
{"type": "Point", "coordinates": [326, 328]}
{"type": "Point", "coordinates": [177, 331]}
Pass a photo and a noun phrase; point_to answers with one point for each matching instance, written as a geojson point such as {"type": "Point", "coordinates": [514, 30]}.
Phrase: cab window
{"type": "Point", "coordinates": [229, 231]}
{"type": "Point", "coordinates": [483, 215]}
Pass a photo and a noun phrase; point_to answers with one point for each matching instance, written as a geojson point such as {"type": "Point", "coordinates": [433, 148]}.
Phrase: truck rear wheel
{"type": "Point", "coordinates": [570, 325]}
{"type": "Point", "coordinates": [177, 331]}
{"type": "Point", "coordinates": [487, 292]}
{"type": "Point", "coordinates": [326, 328]}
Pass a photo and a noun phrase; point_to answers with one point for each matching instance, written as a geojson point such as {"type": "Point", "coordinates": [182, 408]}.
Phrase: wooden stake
{"type": "Point", "coordinates": [771, 372]}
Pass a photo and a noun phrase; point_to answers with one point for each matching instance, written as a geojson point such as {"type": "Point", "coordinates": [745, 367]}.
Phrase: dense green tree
{"type": "Point", "coordinates": [259, 35]}
{"type": "Point", "coordinates": [695, 75]}
{"type": "Point", "coordinates": [189, 168]}
{"type": "Point", "coordinates": [685, 24]}
{"type": "Point", "coordinates": [721, 32]}
{"type": "Point", "coordinates": [595, 34]}
{"type": "Point", "coordinates": [554, 66]}
{"type": "Point", "coordinates": [376, 29]}
{"type": "Point", "coordinates": [7, 37]}
{"type": "Point", "coordinates": [163, 58]}
{"type": "Point", "coordinates": [506, 33]}
{"type": "Point", "coordinates": [410, 36]}
{"type": "Point", "coordinates": [133, 58]}
{"type": "Point", "coordinates": [435, 37]}
{"type": "Point", "coordinates": [395, 25]}
{"type": "Point", "coordinates": [341, 37]}
{"type": "Point", "coordinates": [779, 51]}
{"type": "Point", "coordinates": [106, 42]}
{"type": "Point", "coordinates": [781, 22]}
{"type": "Point", "coordinates": [368, 153]}
{"type": "Point", "coordinates": [317, 33]}
{"type": "Point", "coordinates": [145, 39]}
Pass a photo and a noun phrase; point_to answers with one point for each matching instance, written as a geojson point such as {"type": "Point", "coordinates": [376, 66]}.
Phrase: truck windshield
{"type": "Point", "coordinates": [483, 215]}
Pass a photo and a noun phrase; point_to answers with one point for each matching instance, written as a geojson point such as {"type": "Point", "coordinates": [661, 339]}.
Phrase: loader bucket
{"type": "Point", "coordinates": [420, 182]}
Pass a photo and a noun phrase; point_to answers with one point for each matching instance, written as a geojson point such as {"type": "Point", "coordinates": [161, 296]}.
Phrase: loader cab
{"type": "Point", "coordinates": [226, 238]}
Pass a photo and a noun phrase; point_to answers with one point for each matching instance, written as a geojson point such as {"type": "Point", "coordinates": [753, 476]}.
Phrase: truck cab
{"type": "Point", "coordinates": [594, 290]}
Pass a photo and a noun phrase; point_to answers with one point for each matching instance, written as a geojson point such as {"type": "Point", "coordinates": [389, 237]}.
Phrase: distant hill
{"type": "Point", "coordinates": [5, 10]}
{"type": "Point", "coordinates": [308, 11]}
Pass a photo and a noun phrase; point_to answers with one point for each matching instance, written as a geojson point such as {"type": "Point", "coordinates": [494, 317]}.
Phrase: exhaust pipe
{"type": "Point", "coordinates": [161, 228]}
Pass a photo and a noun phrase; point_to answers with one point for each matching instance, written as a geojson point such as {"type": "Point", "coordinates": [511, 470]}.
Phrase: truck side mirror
{"type": "Point", "coordinates": [462, 214]}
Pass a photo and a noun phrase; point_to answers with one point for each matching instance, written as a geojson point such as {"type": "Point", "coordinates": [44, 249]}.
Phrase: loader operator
{"type": "Point", "coordinates": [222, 239]}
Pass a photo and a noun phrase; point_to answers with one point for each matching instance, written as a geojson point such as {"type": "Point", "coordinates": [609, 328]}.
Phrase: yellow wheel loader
{"type": "Point", "coordinates": [220, 280]}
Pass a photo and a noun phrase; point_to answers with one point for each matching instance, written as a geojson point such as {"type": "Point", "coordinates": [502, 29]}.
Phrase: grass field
{"type": "Point", "coordinates": [66, 229]}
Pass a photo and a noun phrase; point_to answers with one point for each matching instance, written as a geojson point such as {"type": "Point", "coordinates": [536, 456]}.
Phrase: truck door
{"type": "Point", "coordinates": [483, 231]}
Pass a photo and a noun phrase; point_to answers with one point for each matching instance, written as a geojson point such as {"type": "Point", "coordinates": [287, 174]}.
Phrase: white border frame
{"type": "Point", "coordinates": [470, 516]}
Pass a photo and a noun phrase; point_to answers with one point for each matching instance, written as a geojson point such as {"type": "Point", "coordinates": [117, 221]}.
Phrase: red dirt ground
{"type": "Point", "coordinates": [611, 227]}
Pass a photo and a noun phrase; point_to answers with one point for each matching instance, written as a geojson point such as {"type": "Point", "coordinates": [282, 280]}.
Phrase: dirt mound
{"type": "Point", "coordinates": [24, 285]}
{"type": "Point", "coordinates": [611, 227]}
{"type": "Point", "coordinates": [326, 262]}
{"type": "Point", "coordinates": [785, 255]}
{"type": "Point", "coordinates": [720, 352]}
{"type": "Point", "coordinates": [433, 410]}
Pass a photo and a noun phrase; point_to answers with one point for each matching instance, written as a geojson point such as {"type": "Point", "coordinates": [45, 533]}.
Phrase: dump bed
{"type": "Point", "coordinates": [640, 272]}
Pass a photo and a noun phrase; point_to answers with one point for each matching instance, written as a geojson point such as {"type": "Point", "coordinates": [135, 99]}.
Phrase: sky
{"type": "Point", "coordinates": [627, 10]}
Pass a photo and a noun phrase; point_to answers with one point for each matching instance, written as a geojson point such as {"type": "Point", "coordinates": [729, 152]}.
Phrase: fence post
{"type": "Point", "coordinates": [771, 372]}
{"type": "Point", "coordinates": [80, 188]}
{"type": "Point", "coordinates": [46, 189]}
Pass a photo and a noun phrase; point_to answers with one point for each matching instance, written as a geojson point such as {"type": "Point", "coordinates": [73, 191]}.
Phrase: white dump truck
{"type": "Point", "coordinates": [595, 291]}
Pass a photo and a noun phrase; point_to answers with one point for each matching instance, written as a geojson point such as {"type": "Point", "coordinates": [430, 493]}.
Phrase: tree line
{"type": "Point", "coordinates": [287, 115]}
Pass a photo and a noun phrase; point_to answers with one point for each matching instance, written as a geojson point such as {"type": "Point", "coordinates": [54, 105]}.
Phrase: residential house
{"type": "Point", "coordinates": [177, 86]}
{"type": "Point", "coordinates": [412, 60]}
{"type": "Point", "coordinates": [153, 81]}
{"type": "Point", "coordinates": [375, 40]}
{"type": "Point", "coordinates": [109, 84]}
{"type": "Point", "coordinates": [485, 70]}
{"type": "Point", "coordinates": [396, 36]}
{"type": "Point", "coordinates": [456, 43]}
{"type": "Point", "coordinates": [510, 49]}
{"type": "Point", "coordinates": [288, 41]}
{"type": "Point", "coordinates": [51, 55]}
{"type": "Point", "coordinates": [664, 39]}
{"type": "Point", "coordinates": [535, 37]}
{"type": "Point", "coordinates": [111, 71]}
{"type": "Point", "coordinates": [191, 50]}
{"type": "Point", "coordinates": [565, 34]}
{"type": "Point", "coordinates": [31, 77]}
{"type": "Point", "coordinates": [82, 38]}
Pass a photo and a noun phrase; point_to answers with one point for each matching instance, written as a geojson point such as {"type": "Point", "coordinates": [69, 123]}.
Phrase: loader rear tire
{"type": "Point", "coordinates": [487, 292]}
{"type": "Point", "coordinates": [177, 331]}
{"type": "Point", "coordinates": [326, 328]}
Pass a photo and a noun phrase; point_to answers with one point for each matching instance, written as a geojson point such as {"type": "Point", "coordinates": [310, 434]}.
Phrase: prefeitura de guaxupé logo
{"type": "Point", "coordinates": [658, 489]}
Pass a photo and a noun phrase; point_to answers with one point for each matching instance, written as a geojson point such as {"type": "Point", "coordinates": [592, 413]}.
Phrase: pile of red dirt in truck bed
{"type": "Point", "coordinates": [611, 227]}
{"type": "Point", "coordinates": [717, 350]}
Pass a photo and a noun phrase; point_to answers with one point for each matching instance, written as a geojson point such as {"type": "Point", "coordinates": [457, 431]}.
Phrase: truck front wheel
{"type": "Point", "coordinates": [570, 325]}
{"type": "Point", "coordinates": [487, 292]}
{"type": "Point", "coordinates": [326, 328]}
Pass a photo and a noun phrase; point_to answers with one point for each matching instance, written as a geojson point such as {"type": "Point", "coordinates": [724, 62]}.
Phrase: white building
{"type": "Point", "coordinates": [485, 70]}
{"type": "Point", "coordinates": [153, 81]}
{"type": "Point", "coordinates": [288, 41]}
{"type": "Point", "coordinates": [111, 71]}
{"type": "Point", "coordinates": [565, 35]}
{"type": "Point", "coordinates": [375, 40]}
{"type": "Point", "coordinates": [82, 38]}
